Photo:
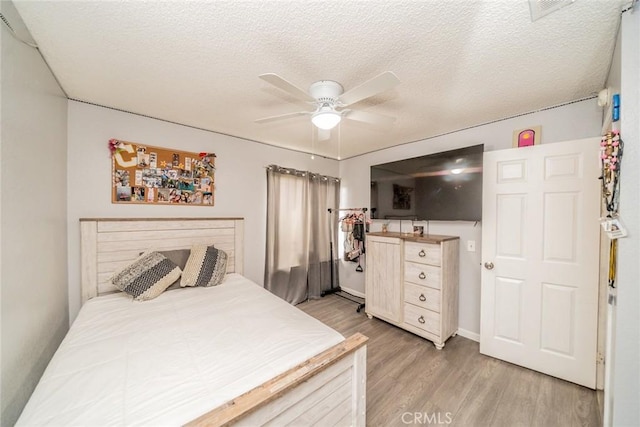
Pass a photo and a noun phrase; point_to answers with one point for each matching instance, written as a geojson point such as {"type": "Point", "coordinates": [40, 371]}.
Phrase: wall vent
{"type": "Point", "coordinates": [540, 8]}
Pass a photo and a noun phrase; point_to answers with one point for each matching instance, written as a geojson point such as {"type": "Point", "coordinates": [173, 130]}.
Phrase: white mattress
{"type": "Point", "coordinates": [171, 359]}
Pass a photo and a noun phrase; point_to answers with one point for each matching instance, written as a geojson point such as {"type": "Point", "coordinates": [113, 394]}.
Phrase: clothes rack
{"type": "Point", "coordinates": [336, 289]}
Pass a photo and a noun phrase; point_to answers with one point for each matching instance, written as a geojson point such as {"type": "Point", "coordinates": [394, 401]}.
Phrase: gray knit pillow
{"type": "Point", "coordinates": [147, 277]}
{"type": "Point", "coordinates": [179, 257]}
{"type": "Point", "coordinates": [206, 266]}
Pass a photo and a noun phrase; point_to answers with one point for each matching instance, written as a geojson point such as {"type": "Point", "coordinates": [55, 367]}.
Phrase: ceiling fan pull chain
{"type": "Point", "coordinates": [339, 139]}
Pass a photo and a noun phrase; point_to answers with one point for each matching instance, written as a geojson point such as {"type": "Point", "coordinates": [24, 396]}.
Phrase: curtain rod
{"type": "Point", "coordinates": [348, 209]}
{"type": "Point", "coordinates": [297, 172]}
{"type": "Point", "coordinates": [630, 7]}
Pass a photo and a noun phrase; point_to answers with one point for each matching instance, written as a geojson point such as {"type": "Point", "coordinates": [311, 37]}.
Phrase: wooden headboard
{"type": "Point", "coordinates": [108, 244]}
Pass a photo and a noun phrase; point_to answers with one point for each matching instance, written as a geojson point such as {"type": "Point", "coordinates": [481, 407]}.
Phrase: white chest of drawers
{"type": "Point", "coordinates": [412, 282]}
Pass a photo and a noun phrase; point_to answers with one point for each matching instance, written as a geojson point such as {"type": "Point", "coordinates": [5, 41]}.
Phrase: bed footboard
{"type": "Point", "coordinates": [329, 389]}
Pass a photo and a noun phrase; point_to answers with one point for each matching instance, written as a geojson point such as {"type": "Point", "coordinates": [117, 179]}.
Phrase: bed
{"type": "Point", "coordinates": [228, 354]}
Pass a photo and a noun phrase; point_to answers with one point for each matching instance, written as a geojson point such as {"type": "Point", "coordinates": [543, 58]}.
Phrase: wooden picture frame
{"type": "Point", "coordinates": [145, 174]}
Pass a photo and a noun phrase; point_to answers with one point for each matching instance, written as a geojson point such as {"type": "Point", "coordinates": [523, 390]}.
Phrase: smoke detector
{"type": "Point", "coordinates": [540, 8]}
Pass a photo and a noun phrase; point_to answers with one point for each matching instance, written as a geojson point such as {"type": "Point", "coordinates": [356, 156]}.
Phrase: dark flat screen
{"type": "Point", "coordinates": [445, 186]}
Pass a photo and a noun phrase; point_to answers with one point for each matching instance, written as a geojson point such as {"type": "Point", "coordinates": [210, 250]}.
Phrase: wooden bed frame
{"type": "Point", "coordinates": [329, 388]}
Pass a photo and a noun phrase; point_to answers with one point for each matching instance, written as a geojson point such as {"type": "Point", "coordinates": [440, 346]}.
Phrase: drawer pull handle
{"type": "Point", "coordinates": [422, 253]}
{"type": "Point", "coordinates": [422, 275]}
{"type": "Point", "coordinates": [421, 319]}
{"type": "Point", "coordinates": [422, 297]}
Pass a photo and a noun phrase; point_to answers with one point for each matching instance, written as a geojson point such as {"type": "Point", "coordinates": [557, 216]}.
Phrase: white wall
{"type": "Point", "coordinates": [33, 217]}
{"type": "Point", "coordinates": [626, 377]}
{"type": "Point", "coordinates": [240, 178]}
{"type": "Point", "coordinates": [573, 121]}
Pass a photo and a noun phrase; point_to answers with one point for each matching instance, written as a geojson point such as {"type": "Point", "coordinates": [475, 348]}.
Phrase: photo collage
{"type": "Point", "coordinates": [154, 175]}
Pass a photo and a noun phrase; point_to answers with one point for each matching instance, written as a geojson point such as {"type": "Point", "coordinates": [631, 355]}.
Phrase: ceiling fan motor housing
{"type": "Point", "coordinates": [326, 91]}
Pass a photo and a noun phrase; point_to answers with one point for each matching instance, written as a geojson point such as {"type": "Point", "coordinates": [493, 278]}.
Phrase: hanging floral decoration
{"type": "Point", "coordinates": [115, 146]}
{"type": "Point", "coordinates": [611, 148]}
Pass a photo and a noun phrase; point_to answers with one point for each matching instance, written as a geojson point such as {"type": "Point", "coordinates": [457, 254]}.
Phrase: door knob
{"type": "Point", "coordinates": [488, 265]}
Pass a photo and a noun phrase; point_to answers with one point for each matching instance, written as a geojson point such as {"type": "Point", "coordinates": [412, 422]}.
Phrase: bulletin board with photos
{"type": "Point", "coordinates": [143, 174]}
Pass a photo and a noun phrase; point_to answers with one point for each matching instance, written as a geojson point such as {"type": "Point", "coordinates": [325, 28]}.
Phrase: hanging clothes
{"type": "Point", "coordinates": [354, 226]}
{"type": "Point", "coordinates": [351, 250]}
{"type": "Point", "coordinates": [358, 237]}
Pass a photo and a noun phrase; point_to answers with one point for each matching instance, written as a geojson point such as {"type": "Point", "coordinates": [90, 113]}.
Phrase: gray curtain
{"type": "Point", "coordinates": [298, 262]}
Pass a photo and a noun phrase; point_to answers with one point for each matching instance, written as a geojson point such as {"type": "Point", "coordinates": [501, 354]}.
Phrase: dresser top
{"type": "Point", "coordinates": [431, 238]}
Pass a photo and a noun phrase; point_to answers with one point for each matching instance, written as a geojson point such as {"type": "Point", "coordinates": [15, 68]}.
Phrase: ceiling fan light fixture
{"type": "Point", "coordinates": [327, 95]}
{"type": "Point", "coordinates": [327, 118]}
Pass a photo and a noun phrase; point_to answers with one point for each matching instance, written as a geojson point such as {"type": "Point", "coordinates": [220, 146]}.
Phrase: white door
{"type": "Point", "coordinates": [540, 239]}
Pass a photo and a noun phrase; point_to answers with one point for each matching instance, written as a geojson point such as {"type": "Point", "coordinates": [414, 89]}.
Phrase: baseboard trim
{"type": "Point", "coordinates": [468, 334]}
{"type": "Point", "coordinates": [352, 292]}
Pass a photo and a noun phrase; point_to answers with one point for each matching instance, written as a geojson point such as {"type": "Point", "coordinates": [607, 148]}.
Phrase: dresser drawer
{"type": "Point", "coordinates": [422, 296]}
{"type": "Point", "coordinates": [425, 253]}
{"type": "Point", "coordinates": [422, 318]}
{"type": "Point", "coordinates": [422, 274]}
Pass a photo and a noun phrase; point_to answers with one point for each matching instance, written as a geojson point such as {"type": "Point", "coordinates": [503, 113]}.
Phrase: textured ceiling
{"type": "Point", "coordinates": [461, 63]}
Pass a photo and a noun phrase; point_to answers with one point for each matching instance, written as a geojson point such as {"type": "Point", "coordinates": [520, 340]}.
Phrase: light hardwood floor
{"type": "Point", "coordinates": [409, 382]}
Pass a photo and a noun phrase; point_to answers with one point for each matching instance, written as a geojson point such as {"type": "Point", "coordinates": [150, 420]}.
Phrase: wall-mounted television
{"type": "Point", "coordinates": [444, 186]}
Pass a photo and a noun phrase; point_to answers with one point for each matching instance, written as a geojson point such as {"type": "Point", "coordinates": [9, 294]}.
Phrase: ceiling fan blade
{"type": "Point", "coordinates": [372, 118]}
{"type": "Point", "coordinates": [290, 88]}
{"type": "Point", "coordinates": [376, 85]}
{"type": "Point", "coordinates": [282, 116]}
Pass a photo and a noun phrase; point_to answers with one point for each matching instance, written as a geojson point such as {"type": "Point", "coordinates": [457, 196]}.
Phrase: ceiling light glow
{"type": "Point", "coordinates": [326, 118]}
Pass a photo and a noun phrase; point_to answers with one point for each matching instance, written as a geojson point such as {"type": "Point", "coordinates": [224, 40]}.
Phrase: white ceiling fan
{"type": "Point", "coordinates": [329, 100]}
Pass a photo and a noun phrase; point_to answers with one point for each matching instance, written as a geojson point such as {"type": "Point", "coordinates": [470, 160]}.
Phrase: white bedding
{"type": "Point", "coordinates": [171, 359]}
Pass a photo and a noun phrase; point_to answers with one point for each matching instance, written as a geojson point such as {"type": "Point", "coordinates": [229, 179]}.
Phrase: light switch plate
{"type": "Point", "coordinates": [471, 245]}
